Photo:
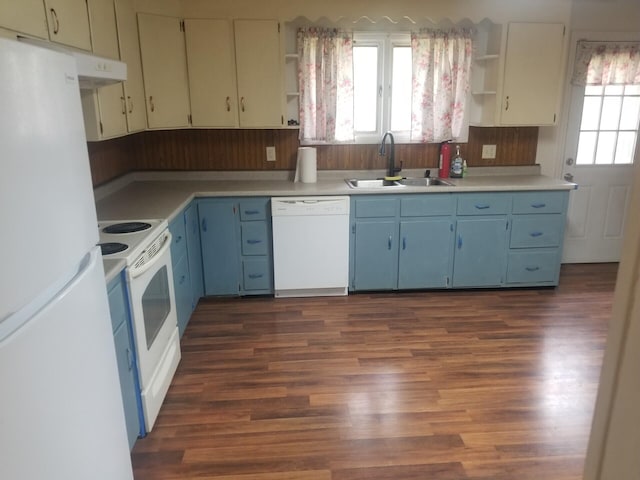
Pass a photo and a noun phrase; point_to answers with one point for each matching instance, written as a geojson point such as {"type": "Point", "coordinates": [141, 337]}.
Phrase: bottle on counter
{"type": "Point", "coordinates": [464, 168]}
{"type": "Point", "coordinates": [457, 164]}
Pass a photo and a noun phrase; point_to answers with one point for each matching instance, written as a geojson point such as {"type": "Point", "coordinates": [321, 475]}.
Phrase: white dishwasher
{"type": "Point", "coordinates": [310, 246]}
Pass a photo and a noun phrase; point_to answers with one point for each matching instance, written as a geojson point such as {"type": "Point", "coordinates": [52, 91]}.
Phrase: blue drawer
{"type": "Point", "coordinates": [254, 238]}
{"type": "Point", "coordinates": [533, 267]}
{"type": "Point", "coordinates": [536, 231]}
{"type": "Point", "coordinates": [427, 205]}
{"type": "Point", "coordinates": [376, 207]}
{"type": "Point", "coordinates": [484, 203]}
{"type": "Point", "coordinates": [254, 209]}
{"type": "Point", "coordinates": [539, 202]}
{"type": "Point", "coordinates": [256, 273]}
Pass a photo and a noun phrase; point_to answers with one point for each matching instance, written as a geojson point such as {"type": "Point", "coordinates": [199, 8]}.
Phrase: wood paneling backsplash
{"type": "Point", "coordinates": [195, 149]}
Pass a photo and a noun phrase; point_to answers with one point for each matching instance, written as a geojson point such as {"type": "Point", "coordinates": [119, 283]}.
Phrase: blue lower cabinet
{"type": "Point", "coordinates": [533, 267]}
{"type": "Point", "coordinates": [183, 293]}
{"type": "Point", "coordinates": [375, 255]}
{"type": "Point", "coordinates": [480, 252]}
{"type": "Point", "coordinates": [194, 253]}
{"type": "Point", "coordinates": [425, 258]}
{"type": "Point", "coordinates": [125, 357]}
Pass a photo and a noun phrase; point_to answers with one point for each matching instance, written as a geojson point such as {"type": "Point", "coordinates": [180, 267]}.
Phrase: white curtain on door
{"type": "Point", "coordinates": [607, 63]}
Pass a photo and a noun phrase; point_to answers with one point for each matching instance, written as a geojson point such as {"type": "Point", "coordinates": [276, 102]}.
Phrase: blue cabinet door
{"type": "Point", "coordinates": [125, 356]}
{"type": "Point", "coordinates": [376, 254]}
{"type": "Point", "coordinates": [425, 253]}
{"type": "Point", "coordinates": [194, 253]}
{"type": "Point", "coordinates": [220, 242]}
{"type": "Point", "coordinates": [182, 289]}
{"type": "Point", "coordinates": [480, 252]}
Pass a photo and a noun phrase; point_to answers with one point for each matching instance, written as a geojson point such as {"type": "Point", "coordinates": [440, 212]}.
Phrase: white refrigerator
{"type": "Point", "coordinates": [61, 413]}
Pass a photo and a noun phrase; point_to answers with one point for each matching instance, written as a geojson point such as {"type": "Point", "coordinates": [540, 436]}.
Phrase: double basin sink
{"type": "Point", "coordinates": [404, 182]}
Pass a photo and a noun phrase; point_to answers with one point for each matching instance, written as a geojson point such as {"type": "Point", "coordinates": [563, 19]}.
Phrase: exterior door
{"type": "Point", "coordinates": [599, 151]}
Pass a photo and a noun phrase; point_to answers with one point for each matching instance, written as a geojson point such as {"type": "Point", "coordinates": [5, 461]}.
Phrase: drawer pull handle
{"type": "Point", "coordinates": [389, 243]}
{"type": "Point", "coordinates": [536, 234]}
{"type": "Point", "coordinates": [482, 206]}
{"type": "Point", "coordinates": [178, 238]}
{"type": "Point", "coordinates": [253, 241]}
{"type": "Point", "coordinates": [459, 242]}
{"type": "Point", "coordinates": [532, 269]}
{"type": "Point", "coordinates": [251, 212]}
{"type": "Point", "coordinates": [538, 205]}
{"type": "Point", "coordinates": [404, 243]}
{"type": "Point", "coordinates": [182, 279]}
{"type": "Point", "coordinates": [256, 275]}
{"type": "Point", "coordinates": [204, 225]}
{"type": "Point", "coordinates": [129, 359]}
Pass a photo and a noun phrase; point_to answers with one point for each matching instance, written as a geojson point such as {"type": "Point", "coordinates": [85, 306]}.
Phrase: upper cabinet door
{"type": "Point", "coordinates": [258, 67]}
{"type": "Point", "coordinates": [24, 16]}
{"type": "Point", "coordinates": [533, 74]}
{"type": "Point", "coordinates": [211, 65]}
{"type": "Point", "coordinates": [104, 34]}
{"type": "Point", "coordinates": [130, 54]}
{"type": "Point", "coordinates": [164, 65]}
{"type": "Point", "coordinates": [69, 22]}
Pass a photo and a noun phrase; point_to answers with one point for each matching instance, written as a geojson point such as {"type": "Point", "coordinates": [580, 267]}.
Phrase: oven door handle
{"type": "Point", "coordinates": [137, 271]}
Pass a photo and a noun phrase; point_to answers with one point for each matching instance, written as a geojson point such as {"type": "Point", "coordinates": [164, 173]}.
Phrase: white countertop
{"type": "Point", "coordinates": [163, 195]}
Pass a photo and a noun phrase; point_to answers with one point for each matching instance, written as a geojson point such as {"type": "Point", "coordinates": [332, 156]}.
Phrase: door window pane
{"type": "Point", "coordinates": [586, 147]}
{"type": "Point", "coordinates": [630, 113]}
{"type": "Point", "coordinates": [591, 113]}
{"type": "Point", "coordinates": [401, 89]}
{"type": "Point", "coordinates": [625, 148]}
{"type": "Point", "coordinates": [606, 148]}
{"type": "Point", "coordinates": [610, 113]}
{"type": "Point", "coordinates": [365, 88]}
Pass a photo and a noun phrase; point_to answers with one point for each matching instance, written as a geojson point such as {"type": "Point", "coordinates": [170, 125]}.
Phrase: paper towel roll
{"type": "Point", "coordinates": [306, 168]}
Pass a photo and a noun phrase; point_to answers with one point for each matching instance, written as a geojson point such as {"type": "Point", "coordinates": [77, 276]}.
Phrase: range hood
{"type": "Point", "coordinates": [93, 71]}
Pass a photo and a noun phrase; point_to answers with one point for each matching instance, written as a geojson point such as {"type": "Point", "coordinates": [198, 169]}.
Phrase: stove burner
{"type": "Point", "coordinates": [110, 248]}
{"type": "Point", "coordinates": [126, 227]}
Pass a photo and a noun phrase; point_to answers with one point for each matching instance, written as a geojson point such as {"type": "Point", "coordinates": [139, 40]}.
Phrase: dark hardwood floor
{"type": "Point", "coordinates": [445, 385]}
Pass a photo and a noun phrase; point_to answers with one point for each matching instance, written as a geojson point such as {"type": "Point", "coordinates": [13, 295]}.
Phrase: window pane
{"type": "Point", "coordinates": [625, 148]}
{"type": "Point", "coordinates": [365, 88]}
{"type": "Point", "coordinates": [591, 113]}
{"type": "Point", "coordinates": [586, 148]}
{"type": "Point", "coordinates": [613, 89]}
{"type": "Point", "coordinates": [593, 90]}
{"type": "Point", "coordinates": [401, 89]}
{"type": "Point", "coordinates": [630, 113]}
{"type": "Point", "coordinates": [632, 90]}
{"type": "Point", "coordinates": [606, 147]}
{"type": "Point", "coordinates": [610, 113]}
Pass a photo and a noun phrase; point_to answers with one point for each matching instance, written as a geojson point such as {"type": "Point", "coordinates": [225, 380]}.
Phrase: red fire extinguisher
{"type": "Point", "coordinates": [445, 160]}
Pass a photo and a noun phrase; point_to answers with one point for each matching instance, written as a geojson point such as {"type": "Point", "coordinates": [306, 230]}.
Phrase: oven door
{"type": "Point", "coordinates": [155, 323]}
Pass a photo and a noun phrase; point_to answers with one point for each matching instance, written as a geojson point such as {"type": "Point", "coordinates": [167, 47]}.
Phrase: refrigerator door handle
{"type": "Point", "coordinates": [16, 320]}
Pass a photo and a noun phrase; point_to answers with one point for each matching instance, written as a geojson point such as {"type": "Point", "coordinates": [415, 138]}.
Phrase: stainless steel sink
{"type": "Point", "coordinates": [372, 183]}
{"type": "Point", "coordinates": [404, 182]}
{"type": "Point", "coordinates": [424, 182]}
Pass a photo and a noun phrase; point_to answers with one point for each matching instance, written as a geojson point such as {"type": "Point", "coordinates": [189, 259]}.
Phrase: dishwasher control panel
{"type": "Point", "coordinates": [309, 206]}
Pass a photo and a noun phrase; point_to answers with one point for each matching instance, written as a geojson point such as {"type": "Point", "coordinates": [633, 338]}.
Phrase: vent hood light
{"type": "Point", "coordinates": [93, 71]}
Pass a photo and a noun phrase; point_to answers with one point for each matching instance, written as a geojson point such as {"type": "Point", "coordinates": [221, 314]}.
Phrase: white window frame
{"type": "Point", "coordinates": [385, 42]}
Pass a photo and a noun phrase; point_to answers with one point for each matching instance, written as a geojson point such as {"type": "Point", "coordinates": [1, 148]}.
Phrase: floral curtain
{"type": "Point", "coordinates": [441, 75]}
{"type": "Point", "coordinates": [325, 77]}
{"type": "Point", "coordinates": [607, 63]}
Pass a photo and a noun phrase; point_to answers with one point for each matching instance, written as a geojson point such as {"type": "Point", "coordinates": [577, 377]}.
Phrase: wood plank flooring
{"type": "Point", "coordinates": [445, 385]}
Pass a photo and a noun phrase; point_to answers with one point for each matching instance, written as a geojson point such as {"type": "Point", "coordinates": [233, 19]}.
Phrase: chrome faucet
{"type": "Point", "coordinates": [391, 166]}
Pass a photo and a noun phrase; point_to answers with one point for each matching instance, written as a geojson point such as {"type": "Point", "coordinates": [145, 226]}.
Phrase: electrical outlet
{"type": "Point", "coordinates": [271, 154]}
{"type": "Point", "coordinates": [488, 151]}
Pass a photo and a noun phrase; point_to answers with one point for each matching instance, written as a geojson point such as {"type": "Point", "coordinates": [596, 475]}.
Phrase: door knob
{"type": "Point", "coordinates": [568, 177]}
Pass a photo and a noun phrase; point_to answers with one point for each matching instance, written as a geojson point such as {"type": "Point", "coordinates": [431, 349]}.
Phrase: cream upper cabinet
{"type": "Point", "coordinates": [533, 74]}
{"type": "Point", "coordinates": [258, 67]}
{"type": "Point", "coordinates": [164, 67]}
{"type": "Point", "coordinates": [68, 22]}
{"type": "Point", "coordinates": [24, 16]}
{"type": "Point", "coordinates": [104, 109]}
{"type": "Point", "coordinates": [212, 79]}
{"type": "Point", "coordinates": [130, 54]}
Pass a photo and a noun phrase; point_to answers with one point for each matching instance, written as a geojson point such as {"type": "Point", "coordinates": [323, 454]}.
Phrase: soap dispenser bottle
{"type": "Point", "coordinates": [457, 164]}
